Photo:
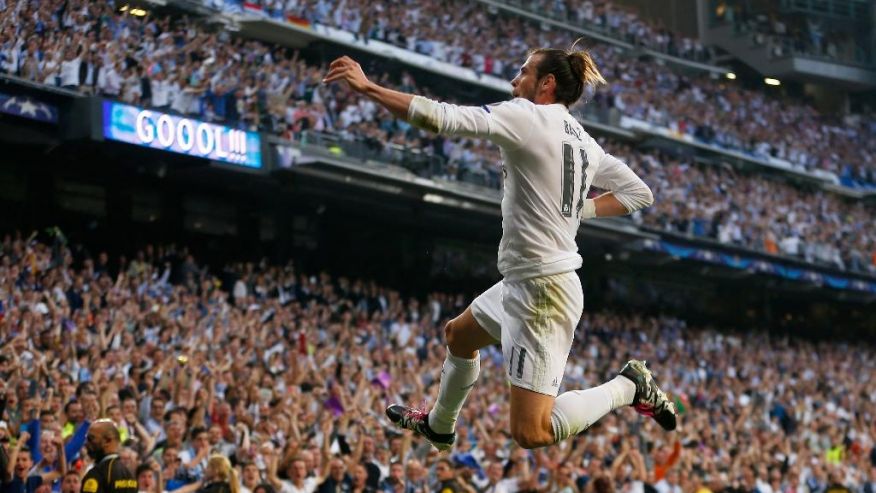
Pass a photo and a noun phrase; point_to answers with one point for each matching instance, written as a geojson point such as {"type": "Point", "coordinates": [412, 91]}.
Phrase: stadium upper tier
{"type": "Point", "coordinates": [715, 112]}
{"type": "Point", "coordinates": [796, 31]}
{"type": "Point", "coordinates": [750, 210]}
{"type": "Point", "coordinates": [804, 30]}
{"type": "Point", "coordinates": [176, 65]}
{"type": "Point", "coordinates": [270, 364]}
{"type": "Point", "coordinates": [613, 21]}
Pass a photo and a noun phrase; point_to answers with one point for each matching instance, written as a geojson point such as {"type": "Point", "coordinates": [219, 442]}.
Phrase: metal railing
{"type": "Point", "coordinates": [857, 10]}
{"type": "Point", "coordinates": [413, 159]}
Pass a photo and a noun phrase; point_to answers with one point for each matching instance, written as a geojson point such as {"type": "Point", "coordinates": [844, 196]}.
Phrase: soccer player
{"type": "Point", "coordinates": [550, 162]}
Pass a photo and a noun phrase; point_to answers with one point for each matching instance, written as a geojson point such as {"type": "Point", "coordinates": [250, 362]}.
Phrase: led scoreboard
{"type": "Point", "coordinates": [182, 135]}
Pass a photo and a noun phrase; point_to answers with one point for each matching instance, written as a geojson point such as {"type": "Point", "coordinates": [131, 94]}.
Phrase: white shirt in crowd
{"type": "Point", "coordinates": [70, 72]}
{"type": "Point", "coordinates": [160, 93]}
{"type": "Point", "coordinates": [239, 289]}
{"type": "Point", "coordinates": [109, 81]}
{"type": "Point", "coordinates": [663, 486]}
{"type": "Point", "coordinates": [49, 69]}
{"type": "Point", "coordinates": [764, 487]}
{"type": "Point", "coordinates": [634, 486]}
{"type": "Point", "coordinates": [183, 100]}
{"type": "Point", "coordinates": [510, 485]}
{"type": "Point", "coordinates": [9, 59]}
{"type": "Point", "coordinates": [309, 486]}
{"type": "Point", "coordinates": [131, 91]}
{"type": "Point", "coordinates": [790, 245]}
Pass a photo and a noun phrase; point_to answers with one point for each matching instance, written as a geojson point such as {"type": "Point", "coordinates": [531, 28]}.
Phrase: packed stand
{"type": "Point", "coordinates": [604, 16]}
{"type": "Point", "coordinates": [175, 65]}
{"type": "Point", "coordinates": [286, 374]}
{"type": "Point", "coordinates": [169, 64]}
{"type": "Point", "coordinates": [713, 112]}
{"type": "Point", "coordinates": [178, 66]}
{"type": "Point", "coordinates": [785, 35]}
{"type": "Point", "coordinates": [753, 211]}
{"type": "Point", "coordinates": [620, 22]}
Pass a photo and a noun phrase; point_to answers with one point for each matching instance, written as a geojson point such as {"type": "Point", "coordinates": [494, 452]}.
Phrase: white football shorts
{"type": "Point", "coordinates": [535, 319]}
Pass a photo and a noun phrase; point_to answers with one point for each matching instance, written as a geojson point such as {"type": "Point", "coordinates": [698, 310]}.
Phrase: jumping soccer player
{"type": "Point", "coordinates": [550, 162]}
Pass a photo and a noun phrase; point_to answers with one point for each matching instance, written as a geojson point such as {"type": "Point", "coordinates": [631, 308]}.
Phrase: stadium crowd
{"type": "Point", "coordinates": [286, 373]}
{"type": "Point", "coordinates": [770, 215]}
{"type": "Point", "coordinates": [714, 112]}
{"type": "Point", "coordinates": [618, 22]}
{"type": "Point", "coordinates": [785, 35]}
{"type": "Point", "coordinates": [604, 16]}
{"type": "Point", "coordinates": [178, 65]}
{"type": "Point", "coordinates": [92, 47]}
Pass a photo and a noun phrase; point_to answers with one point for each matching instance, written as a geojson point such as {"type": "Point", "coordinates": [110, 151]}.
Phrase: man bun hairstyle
{"type": "Point", "coordinates": [573, 70]}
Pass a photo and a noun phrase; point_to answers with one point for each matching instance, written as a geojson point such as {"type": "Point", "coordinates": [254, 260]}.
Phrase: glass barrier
{"type": "Point", "coordinates": [413, 159]}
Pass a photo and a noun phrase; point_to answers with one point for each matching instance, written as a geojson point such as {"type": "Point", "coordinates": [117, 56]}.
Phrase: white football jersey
{"type": "Point", "coordinates": [550, 162]}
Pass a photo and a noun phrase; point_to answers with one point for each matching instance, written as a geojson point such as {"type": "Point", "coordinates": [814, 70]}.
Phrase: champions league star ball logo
{"type": "Point", "coordinates": [26, 107]}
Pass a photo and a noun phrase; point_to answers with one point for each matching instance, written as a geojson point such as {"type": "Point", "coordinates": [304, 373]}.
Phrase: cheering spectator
{"type": "Point", "coordinates": [219, 476]}
{"type": "Point", "coordinates": [19, 478]}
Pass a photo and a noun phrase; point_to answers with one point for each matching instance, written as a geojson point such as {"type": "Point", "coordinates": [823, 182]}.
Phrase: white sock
{"type": "Point", "coordinates": [457, 378]}
{"type": "Point", "coordinates": [577, 410]}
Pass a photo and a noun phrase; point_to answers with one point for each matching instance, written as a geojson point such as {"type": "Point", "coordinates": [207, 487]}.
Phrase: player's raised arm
{"type": "Point", "coordinates": [506, 124]}
{"type": "Point", "coordinates": [627, 192]}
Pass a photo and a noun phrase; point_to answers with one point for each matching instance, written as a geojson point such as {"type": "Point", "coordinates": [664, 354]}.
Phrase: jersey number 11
{"type": "Point", "coordinates": [569, 179]}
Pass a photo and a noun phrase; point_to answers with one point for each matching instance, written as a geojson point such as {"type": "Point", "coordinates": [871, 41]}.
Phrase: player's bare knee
{"type": "Point", "coordinates": [450, 336]}
{"type": "Point", "coordinates": [529, 435]}
{"type": "Point", "coordinates": [455, 340]}
{"type": "Point", "coordinates": [531, 438]}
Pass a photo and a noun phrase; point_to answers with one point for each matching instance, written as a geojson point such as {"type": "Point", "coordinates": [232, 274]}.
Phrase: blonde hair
{"type": "Point", "coordinates": [224, 472]}
{"type": "Point", "coordinates": [590, 73]}
{"type": "Point", "coordinates": [573, 70]}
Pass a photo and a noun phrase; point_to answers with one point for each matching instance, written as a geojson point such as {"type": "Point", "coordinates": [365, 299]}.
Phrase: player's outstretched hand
{"type": "Point", "coordinates": [348, 70]}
